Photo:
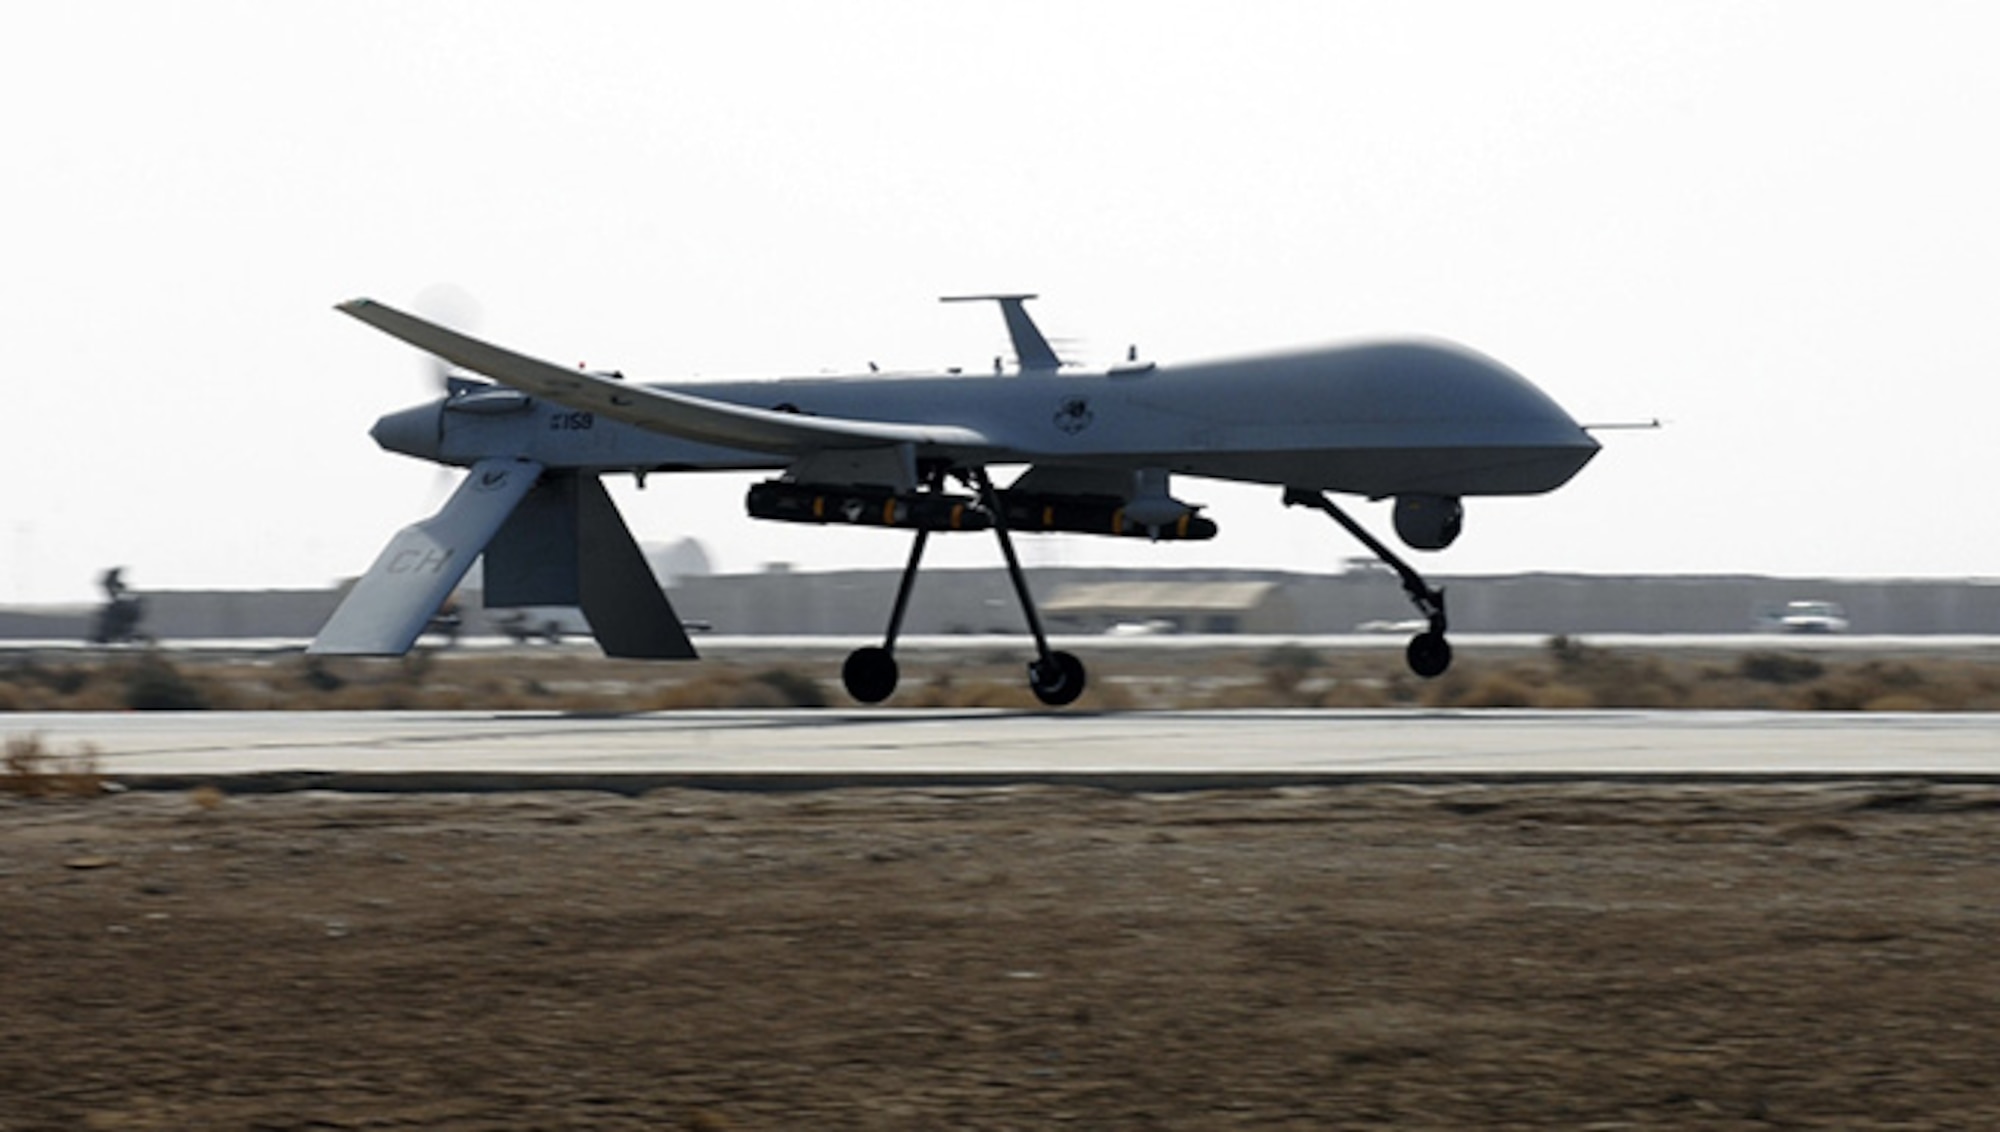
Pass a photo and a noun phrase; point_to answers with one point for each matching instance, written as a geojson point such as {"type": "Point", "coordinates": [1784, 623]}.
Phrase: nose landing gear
{"type": "Point", "coordinates": [1429, 653]}
{"type": "Point", "coordinates": [1056, 679]}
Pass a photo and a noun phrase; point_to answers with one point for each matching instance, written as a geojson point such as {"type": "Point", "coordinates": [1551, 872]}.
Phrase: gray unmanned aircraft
{"type": "Point", "coordinates": [1423, 422]}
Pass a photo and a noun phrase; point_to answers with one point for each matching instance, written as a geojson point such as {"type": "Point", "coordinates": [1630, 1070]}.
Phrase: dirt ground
{"type": "Point", "coordinates": [1521, 956]}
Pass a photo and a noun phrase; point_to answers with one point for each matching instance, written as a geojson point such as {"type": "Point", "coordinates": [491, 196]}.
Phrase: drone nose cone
{"type": "Point", "coordinates": [417, 431]}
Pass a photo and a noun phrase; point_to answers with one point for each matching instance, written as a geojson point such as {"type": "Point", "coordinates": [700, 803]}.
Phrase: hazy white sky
{"type": "Point", "coordinates": [1776, 225]}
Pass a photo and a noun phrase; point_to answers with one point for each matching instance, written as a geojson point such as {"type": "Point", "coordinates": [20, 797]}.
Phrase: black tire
{"type": "Point", "coordinates": [1429, 655]}
{"type": "Point", "coordinates": [1059, 681]}
{"type": "Point", "coordinates": [870, 674]}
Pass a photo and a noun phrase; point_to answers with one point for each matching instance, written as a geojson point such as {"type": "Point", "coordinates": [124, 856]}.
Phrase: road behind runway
{"type": "Point", "coordinates": [1185, 750]}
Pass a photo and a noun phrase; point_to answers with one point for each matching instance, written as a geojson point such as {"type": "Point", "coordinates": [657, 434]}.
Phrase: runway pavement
{"type": "Point", "coordinates": [1136, 750]}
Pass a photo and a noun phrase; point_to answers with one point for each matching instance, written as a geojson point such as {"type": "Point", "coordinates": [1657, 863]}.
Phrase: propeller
{"type": "Point", "coordinates": [446, 304]}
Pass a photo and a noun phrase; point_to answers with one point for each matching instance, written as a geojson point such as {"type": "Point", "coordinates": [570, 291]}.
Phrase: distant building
{"type": "Point", "coordinates": [1088, 601]}
{"type": "Point", "coordinates": [1177, 607]}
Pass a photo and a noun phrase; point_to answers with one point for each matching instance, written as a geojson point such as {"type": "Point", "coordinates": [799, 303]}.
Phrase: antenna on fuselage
{"type": "Point", "coordinates": [1030, 348]}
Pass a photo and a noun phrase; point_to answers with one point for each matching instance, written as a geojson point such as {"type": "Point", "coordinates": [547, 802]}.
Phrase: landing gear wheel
{"type": "Point", "coordinates": [870, 674]}
{"type": "Point", "coordinates": [1429, 654]}
{"type": "Point", "coordinates": [1056, 681]}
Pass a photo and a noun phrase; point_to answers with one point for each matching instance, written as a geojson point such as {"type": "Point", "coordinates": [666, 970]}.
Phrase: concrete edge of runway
{"type": "Point", "coordinates": [774, 752]}
{"type": "Point", "coordinates": [637, 784]}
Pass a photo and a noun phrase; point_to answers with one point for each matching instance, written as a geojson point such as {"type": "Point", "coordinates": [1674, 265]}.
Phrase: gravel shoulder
{"type": "Point", "coordinates": [1502, 957]}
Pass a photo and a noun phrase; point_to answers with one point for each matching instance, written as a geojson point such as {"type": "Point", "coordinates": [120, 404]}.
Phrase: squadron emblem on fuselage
{"type": "Point", "coordinates": [1074, 415]}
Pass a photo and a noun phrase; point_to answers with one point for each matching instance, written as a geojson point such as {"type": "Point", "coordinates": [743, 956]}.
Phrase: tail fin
{"type": "Point", "coordinates": [388, 608]}
{"type": "Point", "coordinates": [1030, 348]}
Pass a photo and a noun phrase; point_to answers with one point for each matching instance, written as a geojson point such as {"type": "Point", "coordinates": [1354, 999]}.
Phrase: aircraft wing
{"type": "Point", "coordinates": [676, 414]}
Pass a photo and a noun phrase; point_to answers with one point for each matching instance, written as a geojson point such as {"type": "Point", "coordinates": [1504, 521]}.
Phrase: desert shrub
{"type": "Point", "coordinates": [1498, 690]}
{"type": "Point", "coordinates": [31, 770]}
{"type": "Point", "coordinates": [1104, 695]}
{"type": "Point", "coordinates": [1567, 651]}
{"type": "Point", "coordinates": [1563, 697]}
{"type": "Point", "coordinates": [1567, 674]}
{"type": "Point", "coordinates": [64, 680]}
{"type": "Point", "coordinates": [1446, 690]}
{"type": "Point", "coordinates": [794, 689]}
{"type": "Point", "coordinates": [1722, 692]}
{"type": "Point", "coordinates": [1244, 695]}
{"type": "Point", "coordinates": [154, 684]}
{"type": "Point", "coordinates": [1892, 674]}
{"type": "Point", "coordinates": [316, 675]}
{"type": "Point", "coordinates": [417, 666]}
{"type": "Point", "coordinates": [1643, 682]}
{"type": "Point", "coordinates": [992, 694]}
{"type": "Point", "coordinates": [389, 697]}
{"type": "Point", "coordinates": [948, 690]}
{"type": "Point", "coordinates": [941, 690]}
{"type": "Point", "coordinates": [1286, 666]}
{"type": "Point", "coordinates": [1831, 695]}
{"type": "Point", "coordinates": [1779, 668]}
{"type": "Point", "coordinates": [1899, 701]}
{"type": "Point", "coordinates": [1501, 686]}
{"type": "Point", "coordinates": [721, 688]}
{"type": "Point", "coordinates": [1356, 694]}
{"type": "Point", "coordinates": [32, 686]}
{"type": "Point", "coordinates": [1612, 680]}
{"type": "Point", "coordinates": [680, 695]}
{"type": "Point", "coordinates": [451, 698]}
{"type": "Point", "coordinates": [752, 695]}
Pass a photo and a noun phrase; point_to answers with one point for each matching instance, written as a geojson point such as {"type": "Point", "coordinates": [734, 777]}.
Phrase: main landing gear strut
{"type": "Point", "coordinates": [1055, 677]}
{"type": "Point", "coordinates": [1429, 653]}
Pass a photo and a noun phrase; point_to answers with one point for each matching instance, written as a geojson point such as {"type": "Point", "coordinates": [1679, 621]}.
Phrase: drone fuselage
{"type": "Point", "coordinates": [1377, 419]}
